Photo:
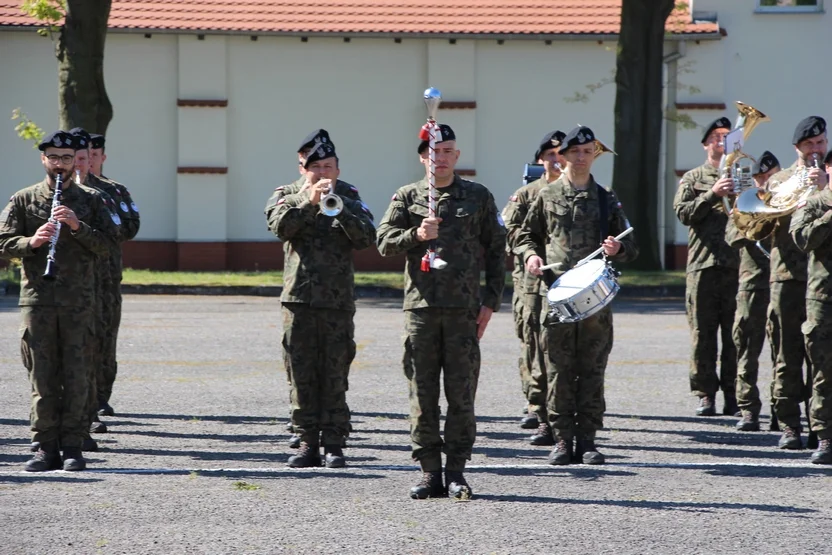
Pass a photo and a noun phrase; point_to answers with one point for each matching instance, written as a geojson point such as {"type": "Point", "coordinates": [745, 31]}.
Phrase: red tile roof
{"type": "Point", "coordinates": [369, 17]}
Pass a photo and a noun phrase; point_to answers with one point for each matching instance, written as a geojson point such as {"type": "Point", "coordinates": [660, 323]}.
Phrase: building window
{"type": "Point", "coordinates": [789, 6]}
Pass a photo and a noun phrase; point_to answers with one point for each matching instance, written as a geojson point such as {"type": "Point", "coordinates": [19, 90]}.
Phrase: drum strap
{"type": "Point", "coordinates": [604, 211]}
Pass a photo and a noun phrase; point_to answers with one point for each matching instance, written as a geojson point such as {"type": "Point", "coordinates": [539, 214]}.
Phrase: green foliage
{"type": "Point", "coordinates": [27, 129]}
{"type": "Point", "coordinates": [582, 97]}
{"type": "Point", "coordinates": [50, 12]}
{"type": "Point", "coordinates": [245, 486]}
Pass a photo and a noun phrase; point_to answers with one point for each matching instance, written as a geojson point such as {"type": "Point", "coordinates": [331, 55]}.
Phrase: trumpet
{"type": "Point", "coordinates": [51, 266]}
{"type": "Point", "coordinates": [331, 204]}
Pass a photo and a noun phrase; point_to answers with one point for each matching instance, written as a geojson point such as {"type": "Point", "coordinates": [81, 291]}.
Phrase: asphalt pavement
{"type": "Point", "coordinates": [195, 458]}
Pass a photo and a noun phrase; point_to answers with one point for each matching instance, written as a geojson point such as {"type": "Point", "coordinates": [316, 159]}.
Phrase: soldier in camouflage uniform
{"type": "Point", "coordinates": [712, 275]}
{"type": "Point", "coordinates": [127, 212]}
{"type": "Point", "coordinates": [318, 303]}
{"type": "Point", "coordinates": [752, 302]}
{"type": "Point", "coordinates": [810, 230]}
{"type": "Point", "coordinates": [445, 312]}
{"type": "Point", "coordinates": [57, 322]}
{"type": "Point", "coordinates": [566, 222]}
{"type": "Point", "coordinates": [526, 300]}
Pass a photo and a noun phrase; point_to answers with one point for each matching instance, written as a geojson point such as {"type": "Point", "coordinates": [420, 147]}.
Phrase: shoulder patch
{"type": "Point", "coordinates": [513, 198]}
{"type": "Point", "coordinates": [394, 198]}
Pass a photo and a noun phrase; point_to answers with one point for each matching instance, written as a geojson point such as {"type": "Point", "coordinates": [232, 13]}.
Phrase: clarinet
{"type": "Point", "coordinates": [51, 266]}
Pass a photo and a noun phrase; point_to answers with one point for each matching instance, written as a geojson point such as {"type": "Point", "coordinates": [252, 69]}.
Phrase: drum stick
{"type": "Point", "coordinates": [591, 256]}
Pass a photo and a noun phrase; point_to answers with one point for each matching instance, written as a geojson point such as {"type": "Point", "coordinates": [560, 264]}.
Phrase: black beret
{"type": "Point", "coordinates": [579, 136]}
{"type": "Point", "coordinates": [82, 138]}
{"type": "Point", "coordinates": [828, 160]}
{"type": "Point", "coordinates": [58, 139]}
{"type": "Point", "coordinates": [550, 140]}
{"type": "Point", "coordinates": [317, 136]}
{"type": "Point", "coordinates": [445, 134]}
{"type": "Point", "coordinates": [809, 128]}
{"type": "Point", "coordinates": [97, 141]}
{"type": "Point", "coordinates": [718, 123]}
{"type": "Point", "coordinates": [324, 151]}
{"type": "Point", "coordinates": [764, 163]}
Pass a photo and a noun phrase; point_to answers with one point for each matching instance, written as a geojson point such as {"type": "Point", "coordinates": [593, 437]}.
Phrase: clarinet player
{"type": "Point", "coordinates": [57, 323]}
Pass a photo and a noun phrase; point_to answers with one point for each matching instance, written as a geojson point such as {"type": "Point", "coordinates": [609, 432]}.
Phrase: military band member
{"type": "Point", "coordinates": [318, 303]}
{"type": "Point", "coordinates": [446, 313]}
{"type": "Point", "coordinates": [810, 229]}
{"type": "Point", "coordinates": [127, 212]}
{"type": "Point", "coordinates": [57, 321]}
{"type": "Point", "coordinates": [711, 275]}
{"type": "Point", "coordinates": [749, 331]}
{"type": "Point", "coordinates": [526, 300]}
{"type": "Point", "coordinates": [566, 222]}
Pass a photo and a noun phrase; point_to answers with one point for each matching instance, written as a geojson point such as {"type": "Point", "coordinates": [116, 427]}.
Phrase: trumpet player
{"type": "Point", "coordinates": [57, 319]}
{"type": "Point", "coordinates": [711, 275]}
{"type": "Point", "coordinates": [318, 302]}
{"type": "Point", "coordinates": [565, 223]}
{"type": "Point", "coordinates": [446, 310]}
{"type": "Point", "coordinates": [526, 300]}
{"type": "Point", "coordinates": [749, 329]}
{"type": "Point", "coordinates": [810, 230]}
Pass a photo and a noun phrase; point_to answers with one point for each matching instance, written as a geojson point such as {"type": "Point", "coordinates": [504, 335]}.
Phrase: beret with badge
{"type": "Point", "coordinates": [445, 134]}
{"type": "Point", "coordinates": [809, 128]}
{"type": "Point", "coordinates": [322, 152]}
{"type": "Point", "coordinates": [578, 136]}
{"type": "Point", "coordinates": [97, 141]}
{"type": "Point", "coordinates": [766, 162]}
{"type": "Point", "coordinates": [551, 140]}
{"type": "Point", "coordinates": [82, 138]}
{"type": "Point", "coordinates": [58, 139]}
{"type": "Point", "coordinates": [317, 136]}
{"type": "Point", "coordinates": [718, 123]}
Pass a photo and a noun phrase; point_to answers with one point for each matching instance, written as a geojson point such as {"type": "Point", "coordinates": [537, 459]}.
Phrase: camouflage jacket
{"type": "Point", "coordinates": [128, 210]}
{"type": "Point", "coordinates": [788, 263]}
{"type": "Point", "coordinates": [514, 213]}
{"type": "Point", "coordinates": [318, 268]}
{"type": "Point", "coordinates": [698, 207]}
{"type": "Point", "coordinates": [754, 263]}
{"type": "Point", "coordinates": [111, 268]}
{"type": "Point", "coordinates": [75, 252]}
{"type": "Point", "coordinates": [471, 227]}
{"type": "Point", "coordinates": [563, 226]}
{"type": "Point", "coordinates": [812, 233]}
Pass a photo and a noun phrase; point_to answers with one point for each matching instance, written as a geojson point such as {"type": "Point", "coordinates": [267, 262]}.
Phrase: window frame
{"type": "Point", "coordinates": [817, 8]}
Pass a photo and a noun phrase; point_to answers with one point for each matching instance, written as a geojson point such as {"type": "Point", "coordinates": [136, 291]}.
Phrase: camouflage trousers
{"type": "Point", "coordinates": [441, 343]}
{"type": "Point", "coordinates": [786, 315]}
{"type": "Point", "coordinates": [107, 336]}
{"type": "Point", "coordinates": [711, 298]}
{"type": "Point", "coordinates": [749, 335]}
{"type": "Point", "coordinates": [818, 332]}
{"type": "Point", "coordinates": [318, 349]}
{"type": "Point", "coordinates": [576, 360]}
{"type": "Point", "coordinates": [531, 364]}
{"type": "Point", "coordinates": [54, 350]}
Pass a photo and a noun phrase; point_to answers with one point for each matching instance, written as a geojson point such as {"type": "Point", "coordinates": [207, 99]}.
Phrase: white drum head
{"type": "Point", "coordinates": [576, 280]}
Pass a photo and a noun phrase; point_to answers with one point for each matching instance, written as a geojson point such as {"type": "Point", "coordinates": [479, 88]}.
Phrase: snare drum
{"type": "Point", "coordinates": [582, 291]}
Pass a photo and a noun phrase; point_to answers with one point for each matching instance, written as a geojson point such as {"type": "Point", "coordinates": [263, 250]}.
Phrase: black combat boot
{"type": "Point", "coordinates": [586, 452]}
{"type": "Point", "coordinates": [97, 426]}
{"type": "Point", "coordinates": [707, 406]}
{"type": "Point", "coordinates": [774, 423]}
{"type": "Point", "coordinates": [89, 445]}
{"type": "Point", "coordinates": [812, 440]}
{"type": "Point", "coordinates": [74, 460]}
{"type": "Point", "coordinates": [529, 422]}
{"type": "Point", "coordinates": [429, 486]}
{"type": "Point", "coordinates": [47, 458]}
{"type": "Point", "coordinates": [730, 408]}
{"type": "Point", "coordinates": [749, 422]}
{"type": "Point", "coordinates": [824, 453]}
{"type": "Point", "coordinates": [307, 456]}
{"type": "Point", "coordinates": [790, 438]}
{"type": "Point", "coordinates": [294, 441]}
{"type": "Point", "coordinates": [334, 456]}
{"type": "Point", "coordinates": [104, 409]}
{"type": "Point", "coordinates": [543, 435]}
{"type": "Point", "coordinates": [458, 488]}
{"type": "Point", "coordinates": [562, 453]}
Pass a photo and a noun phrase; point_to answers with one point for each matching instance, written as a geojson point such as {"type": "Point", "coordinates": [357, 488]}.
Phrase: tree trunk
{"type": "Point", "coordinates": [638, 120]}
{"type": "Point", "coordinates": [82, 97]}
